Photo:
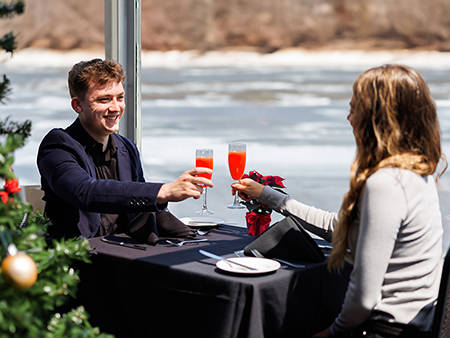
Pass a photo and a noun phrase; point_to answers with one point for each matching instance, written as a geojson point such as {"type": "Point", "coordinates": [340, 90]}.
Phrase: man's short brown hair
{"type": "Point", "coordinates": [94, 72]}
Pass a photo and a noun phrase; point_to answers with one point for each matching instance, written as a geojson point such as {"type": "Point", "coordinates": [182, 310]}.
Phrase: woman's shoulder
{"type": "Point", "coordinates": [391, 177]}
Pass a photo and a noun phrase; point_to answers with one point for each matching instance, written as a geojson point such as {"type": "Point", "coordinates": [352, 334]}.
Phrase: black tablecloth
{"type": "Point", "coordinates": [168, 291]}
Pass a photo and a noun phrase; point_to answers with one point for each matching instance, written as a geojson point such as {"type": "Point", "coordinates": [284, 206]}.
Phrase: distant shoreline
{"type": "Point", "coordinates": [327, 58]}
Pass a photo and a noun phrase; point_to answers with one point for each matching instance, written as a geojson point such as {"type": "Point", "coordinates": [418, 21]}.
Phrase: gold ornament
{"type": "Point", "coordinates": [19, 269]}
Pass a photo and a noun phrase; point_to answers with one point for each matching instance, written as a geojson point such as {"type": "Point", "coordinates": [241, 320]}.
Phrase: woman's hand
{"type": "Point", "coordinates": [324, 333]}
{"type": "Point", "coordinates": [248, 189]}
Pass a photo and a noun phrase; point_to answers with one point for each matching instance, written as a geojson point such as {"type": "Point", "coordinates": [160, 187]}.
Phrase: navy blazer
{"type": "Point", "coordinates": [75, 197]}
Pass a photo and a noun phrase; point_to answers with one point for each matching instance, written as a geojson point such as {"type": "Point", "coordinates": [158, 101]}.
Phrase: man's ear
{"type": "Point", "coordinates": [75, 103]}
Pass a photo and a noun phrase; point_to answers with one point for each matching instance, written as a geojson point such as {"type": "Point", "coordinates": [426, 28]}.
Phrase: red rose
{"type": "Point", "coordinates": [12, 186]}
{"type": "Point", "coordinates": [4, 196]}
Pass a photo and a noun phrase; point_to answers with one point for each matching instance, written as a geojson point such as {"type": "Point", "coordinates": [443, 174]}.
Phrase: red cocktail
{"type": "Point", "coordinates": [204, 159]}
{"type": "Point", "coordinates": [237, 154]}
{"type": "Point", "coordinates": [205, 162]}
{"type": "Point", "coordinates": [236, 163]}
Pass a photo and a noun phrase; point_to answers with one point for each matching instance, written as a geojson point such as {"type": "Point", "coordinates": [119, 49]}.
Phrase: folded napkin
{"type": "Point", "coordinates": [170, 226]}
{"type": "Point", "coordinates": [287, 240]}
{"type": "Point", "coordinates": [150, 227]}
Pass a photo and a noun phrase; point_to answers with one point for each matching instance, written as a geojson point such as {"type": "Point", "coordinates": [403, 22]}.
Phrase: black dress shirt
{"type": "Point", "coordinates": [106, 168]}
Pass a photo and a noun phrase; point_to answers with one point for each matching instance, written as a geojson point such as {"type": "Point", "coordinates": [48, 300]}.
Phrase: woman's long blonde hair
{"type": "Point", "coordinates": [395, 125]}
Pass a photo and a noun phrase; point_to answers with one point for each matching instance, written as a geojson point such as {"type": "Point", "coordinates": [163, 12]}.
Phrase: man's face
{"type": "Point", "coordinates": [101, 109]}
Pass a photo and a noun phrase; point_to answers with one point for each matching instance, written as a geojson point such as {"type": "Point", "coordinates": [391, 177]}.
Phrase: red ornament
{"type": "Point", "coordinates": [12, 186]}
{"type": "Point", "coordinates": [4, 196]}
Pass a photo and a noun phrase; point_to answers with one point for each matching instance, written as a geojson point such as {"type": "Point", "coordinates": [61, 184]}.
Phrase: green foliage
{"type": "Point", "coordinates": [63, 326]}
{"type": "Point", "coordinates": [8, 10]}
{"type": "Point", "coordinates": [4, 88]}
{"type": "Point", "coordinates": [8, 41]}
{"type": "Point", "coordinates": [21, 130]}
{"type": "Point", "coordinates": [16, 134]}
{"type": "Point", "coordinates": [31, 312]}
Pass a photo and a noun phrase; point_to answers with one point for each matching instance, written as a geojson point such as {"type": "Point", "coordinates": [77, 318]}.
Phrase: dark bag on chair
{"type": "Point", "coordinates": [287, 240]}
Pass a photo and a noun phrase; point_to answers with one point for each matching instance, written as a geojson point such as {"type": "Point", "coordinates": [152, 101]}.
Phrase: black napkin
{"type": "Point", "coordinates": [148, 227]}
{"type": "Point", "coordinates": [170, 226]}
{"type": "Point", "coordinates": [287, 240]}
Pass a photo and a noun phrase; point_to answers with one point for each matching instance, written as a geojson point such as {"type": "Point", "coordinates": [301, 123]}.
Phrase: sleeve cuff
{"type": "Point", "coordinates": [272, 198]}
{"type": "Point", "coordinates": [158, 206]}
{"type": "Point", "coordinates": [161, 207]}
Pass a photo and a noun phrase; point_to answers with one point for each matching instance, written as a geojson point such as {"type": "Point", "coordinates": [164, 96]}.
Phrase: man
{"type": "Point", "coordinates": [92, 177]}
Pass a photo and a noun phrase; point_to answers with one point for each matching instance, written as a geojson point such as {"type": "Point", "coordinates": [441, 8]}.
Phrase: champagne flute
{"type": "Point", "coordinates": [237, 153]}
{"type": "Point", "coordinates": [204, 158]}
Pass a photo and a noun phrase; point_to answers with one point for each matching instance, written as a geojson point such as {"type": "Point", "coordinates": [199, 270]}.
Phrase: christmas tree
{"type": "Point", "coordinates": [8, 41]}
{"type": "Point", "coordinates": [37, 277]}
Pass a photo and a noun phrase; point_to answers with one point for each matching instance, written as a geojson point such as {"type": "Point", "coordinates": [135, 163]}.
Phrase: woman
{"type": "Point", "coordinates": [389, 225]}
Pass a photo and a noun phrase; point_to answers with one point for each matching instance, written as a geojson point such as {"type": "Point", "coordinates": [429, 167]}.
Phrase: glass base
{"type": "Point", "coordinates": [236, 206]}
{"type": "Point", "coordinates": [204, 212]}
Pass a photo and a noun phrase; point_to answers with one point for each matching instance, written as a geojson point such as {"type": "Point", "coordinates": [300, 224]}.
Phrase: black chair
{"type": "Point", "coordinates": [441, 323]}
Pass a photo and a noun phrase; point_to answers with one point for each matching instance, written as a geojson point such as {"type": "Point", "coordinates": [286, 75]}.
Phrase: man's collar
{"type": "Point", "coordinates": [82, 136]}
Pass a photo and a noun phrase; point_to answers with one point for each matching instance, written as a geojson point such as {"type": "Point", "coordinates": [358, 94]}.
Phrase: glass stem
{"type": "Point", "coordinates": [236, 199]}
{"type": "Point", "coordinates": [205, 208]}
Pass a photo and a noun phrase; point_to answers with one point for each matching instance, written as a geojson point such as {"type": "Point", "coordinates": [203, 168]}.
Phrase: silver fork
{"type": "Point", "coordinates": [186, 241]}
{"type": "Point", "coordinates": [256, 253]}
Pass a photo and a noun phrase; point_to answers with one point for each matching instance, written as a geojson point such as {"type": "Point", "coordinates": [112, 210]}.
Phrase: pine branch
{"type": "Point", "coordinates": [12, 127]}
{"type": "Point", "coordinates": [8, 42]}
{"type": "Point", "coordinates": [4, 88]}
{"type": "Point", "coordinates": [11, 9]}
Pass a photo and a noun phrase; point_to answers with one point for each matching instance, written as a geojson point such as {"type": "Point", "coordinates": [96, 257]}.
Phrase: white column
{"type": "Point", "coordinates": [123, 44]}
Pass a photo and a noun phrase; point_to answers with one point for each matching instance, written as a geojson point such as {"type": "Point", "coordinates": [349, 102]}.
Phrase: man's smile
{"type": "Point", "coordinates": [112, 116]}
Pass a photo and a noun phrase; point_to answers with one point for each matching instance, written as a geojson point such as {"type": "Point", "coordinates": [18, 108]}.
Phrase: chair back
{"type": "Point", "coordinates": [33, 196]}
{"type": "Point", "coordinates": [441, 323]}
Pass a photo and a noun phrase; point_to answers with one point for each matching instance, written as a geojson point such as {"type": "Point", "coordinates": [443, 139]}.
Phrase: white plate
{"type": "Point", "coordinates": [262, 265]}
{"type": "Point", "coordinates": [201, 221]}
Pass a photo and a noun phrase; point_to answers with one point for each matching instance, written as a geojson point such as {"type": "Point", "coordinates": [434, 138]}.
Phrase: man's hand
{"type": "Point", "coordinates": [185, 186]}
{"type": "Point", "coordinates": [248, 189]}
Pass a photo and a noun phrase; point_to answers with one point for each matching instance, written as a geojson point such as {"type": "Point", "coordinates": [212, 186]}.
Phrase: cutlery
{"type": "Point", "coordinates": [181, 243]}
{"type": "Point", "coordinates": [239, 253]}
{"type": "Point", "coordinates": [202, 233]}
{"type": "Point", "coordinates": [127, 245]}
{"type": "Point", "coordinates": [325, 246]}
{"type": "Point", "coordinates": [220, 258]}
{"type": "Point", "coordinates": [256, 253]}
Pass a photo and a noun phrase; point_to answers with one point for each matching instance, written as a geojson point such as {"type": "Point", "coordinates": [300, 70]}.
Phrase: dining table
{"type": "Point", "coordinates": [137, 290]}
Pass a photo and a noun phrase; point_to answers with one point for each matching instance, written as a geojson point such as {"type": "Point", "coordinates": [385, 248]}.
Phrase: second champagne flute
{"type": "Point", "coordinates": [237, 153]}
{"type": "Point", "coordinates": [204, 158]}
